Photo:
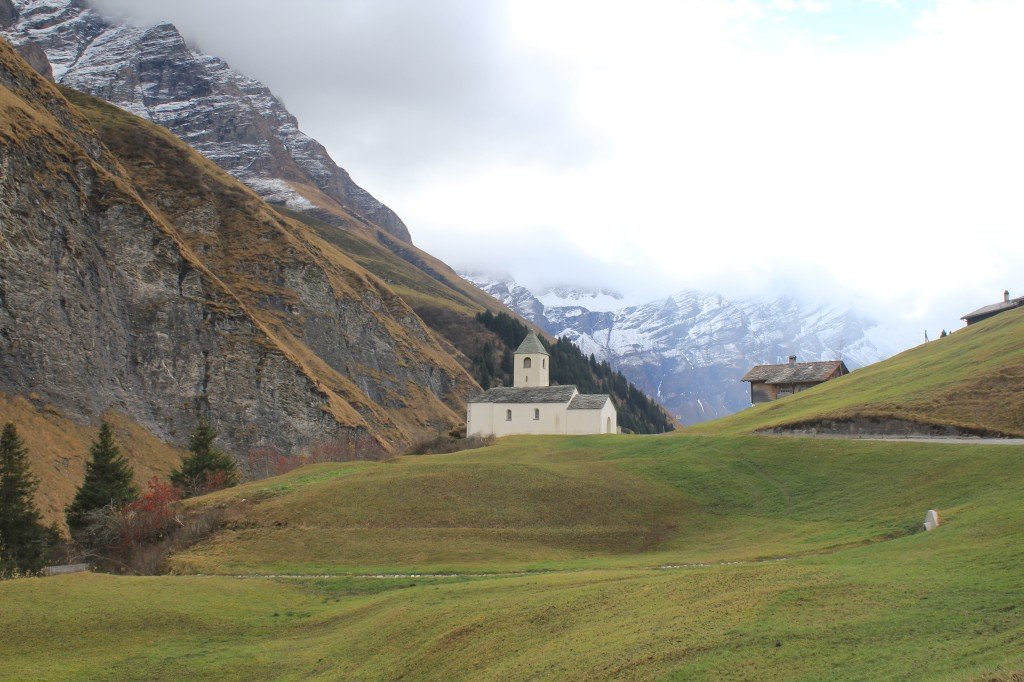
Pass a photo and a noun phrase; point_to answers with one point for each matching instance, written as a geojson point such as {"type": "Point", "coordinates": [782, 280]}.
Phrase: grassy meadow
{"type": "Point", "coordinates": [705, 554]}
{"type": "Point", "coordinates": [576, 558]}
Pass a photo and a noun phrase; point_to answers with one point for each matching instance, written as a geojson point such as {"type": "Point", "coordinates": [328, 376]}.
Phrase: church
{"type": "Point", "coordinates": [532, 406]}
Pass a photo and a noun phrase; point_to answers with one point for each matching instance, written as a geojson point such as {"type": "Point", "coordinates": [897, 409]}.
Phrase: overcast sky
{"type": "Point", "coordinates": [870, 151]}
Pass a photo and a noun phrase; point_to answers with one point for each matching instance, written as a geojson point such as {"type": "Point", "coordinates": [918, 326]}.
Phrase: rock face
{"type": "Point", "coordinates": [233, 120]}
{"type": "Point", "coordinates": [690, 349]}
{"type": "Point", "coordinates": [136, 275]}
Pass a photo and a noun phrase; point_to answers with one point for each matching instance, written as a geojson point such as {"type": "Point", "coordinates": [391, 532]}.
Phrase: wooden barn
{"type": "Point", "coordinates": [771, 382]}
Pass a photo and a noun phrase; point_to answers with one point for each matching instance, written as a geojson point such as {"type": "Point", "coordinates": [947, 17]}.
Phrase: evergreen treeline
{"type": "Point", "coordinates": [637, 412]}
{"type": "Point", "coordinates": [24, 540]}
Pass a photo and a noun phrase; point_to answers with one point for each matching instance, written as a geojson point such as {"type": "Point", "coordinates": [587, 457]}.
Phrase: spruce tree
{"type": "Point", "coordinates": [23, 538]}
{"type": "Point", "coordinates": [205, 467]}
{"type": "Point", "coordinates": [108, 481]}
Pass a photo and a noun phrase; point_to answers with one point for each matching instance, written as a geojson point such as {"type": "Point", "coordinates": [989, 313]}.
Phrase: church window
{"type": "Point", "coordinates": [536, 414]}
{"type": "Point", "coordinates": [508, 415]}
{"type": "Point", "coordinates": [543, 363]}
{"type": "Point", "coordinates": [527, 363]}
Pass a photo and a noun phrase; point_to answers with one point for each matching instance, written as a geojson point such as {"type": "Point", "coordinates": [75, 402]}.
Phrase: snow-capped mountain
{"type": "Point", "coordinates": [690, 349]}
{"type": "Point", "coordinates": [235, 121]}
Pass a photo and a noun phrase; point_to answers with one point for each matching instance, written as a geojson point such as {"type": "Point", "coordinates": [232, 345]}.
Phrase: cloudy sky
{"type": "Point", "coordinates": [868, 151]}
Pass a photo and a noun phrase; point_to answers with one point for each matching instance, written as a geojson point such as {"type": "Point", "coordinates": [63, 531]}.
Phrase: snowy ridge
{"type": "Point", "coordinates": [233, 120]}
{"type": "Point", "coordinates": [690, 349]}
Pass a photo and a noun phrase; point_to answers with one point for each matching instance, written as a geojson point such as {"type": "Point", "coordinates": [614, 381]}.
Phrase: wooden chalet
{"type": "Point", "coordinates": [988, 311]}
{"type": "Point", "coordinates": [771, 382]}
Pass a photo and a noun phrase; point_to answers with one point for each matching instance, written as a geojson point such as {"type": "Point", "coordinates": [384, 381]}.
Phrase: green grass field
{"type": "Point", "coordinates": [705, 554]}
{"type": "Point", "coordinates": [864, 594]}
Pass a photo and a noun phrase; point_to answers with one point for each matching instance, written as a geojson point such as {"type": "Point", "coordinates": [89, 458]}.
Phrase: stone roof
{"type": "Point", "coordinates": [532, 345]}
{"type": "Point", "coordinates": [995, 308]}
{"type": "Point", "coordinates": [799, 373]}
{"type": "Point", "coordinates": [541, 394]}
{"type": "Point", "coordinates": [588, 402]}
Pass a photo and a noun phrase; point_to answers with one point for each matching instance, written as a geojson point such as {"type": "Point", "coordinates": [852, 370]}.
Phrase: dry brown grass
{"type": "Point", "coordinates": [58, 449]}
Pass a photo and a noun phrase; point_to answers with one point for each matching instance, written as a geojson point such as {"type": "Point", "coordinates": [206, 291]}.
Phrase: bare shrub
{"type": "Point", "coordinates": [137, 537]}
{"type": "Point", "coordinates": [267, 460]}
{"type": "Point", "coordinates": [445, 443]}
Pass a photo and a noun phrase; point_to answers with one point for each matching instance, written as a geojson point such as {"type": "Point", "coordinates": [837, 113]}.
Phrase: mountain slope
{"type": "Point", "coordinates": [182, 294]}
{"type": "Point", "coordinates": [968, 382]}
{"type": "Point", "coordinates": [690, 350]}
{"type": "Point", "coordinates": [233, 120]}
{"type": "Point", "coordinates": [238, 123]}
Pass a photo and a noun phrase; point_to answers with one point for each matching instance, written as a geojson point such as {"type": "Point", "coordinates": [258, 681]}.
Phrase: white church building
{"type": "Point", "coordinates": [532, 406]}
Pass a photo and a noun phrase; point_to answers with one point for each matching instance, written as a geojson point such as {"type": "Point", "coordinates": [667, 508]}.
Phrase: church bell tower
{"type": "Point", "coordinates": [531, 364]}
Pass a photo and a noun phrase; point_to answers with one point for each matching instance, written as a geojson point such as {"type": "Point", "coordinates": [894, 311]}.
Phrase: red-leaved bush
{"type": "Point", "coordinates": [150, 517]}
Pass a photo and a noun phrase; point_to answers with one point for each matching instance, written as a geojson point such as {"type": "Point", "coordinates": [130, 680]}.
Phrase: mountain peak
{"type": "Point", "coordinates": [233, 120]}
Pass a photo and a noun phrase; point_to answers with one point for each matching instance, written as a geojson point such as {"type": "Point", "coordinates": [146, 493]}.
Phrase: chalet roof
{"type": "Point", "coordinates": [799, 373]}
{"type": "Point", "coordinates": [532, 345]}
{"type": "Point", "coordinates": [541, 394]}
{"type": "Point", "coordinates": [588, 402]}
{"type": "Point", "coordinates": [995, 308]}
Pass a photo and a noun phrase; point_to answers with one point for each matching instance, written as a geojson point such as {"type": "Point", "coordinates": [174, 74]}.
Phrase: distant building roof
{"type": "Point", "coordinates": [588, 402]}
{"type": "Point", "coordinates": [542, 394]}
{"type": "Point", "coordinates": [990, 310]}
{"type": "Point", "coordinates": [532, 345]}
{"type": "Point", "coordinates": [797, 373]}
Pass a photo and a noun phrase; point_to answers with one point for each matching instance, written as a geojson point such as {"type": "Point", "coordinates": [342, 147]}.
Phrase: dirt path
{"type": "Point", "coordinates": [952, 440]}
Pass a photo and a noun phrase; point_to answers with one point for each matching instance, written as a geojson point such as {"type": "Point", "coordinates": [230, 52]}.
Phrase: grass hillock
{"type": "Point", "coordinates": [859, 592]}
{"type": "Point", "coordinates": [971, 380]}
{"type": "Point", "coordinates": [557, 503]}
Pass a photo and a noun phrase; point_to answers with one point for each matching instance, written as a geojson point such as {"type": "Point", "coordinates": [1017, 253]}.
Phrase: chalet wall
{"type": "Point", "coordinates": [761, 392]}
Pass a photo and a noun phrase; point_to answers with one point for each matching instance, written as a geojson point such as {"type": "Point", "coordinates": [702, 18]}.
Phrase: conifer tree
{"type": "Point", "coordinates": [205, 468]}
{"type": "Point", "coordinates": [23, 538]}
{"type": "Point", "coordinates": [108, 481]}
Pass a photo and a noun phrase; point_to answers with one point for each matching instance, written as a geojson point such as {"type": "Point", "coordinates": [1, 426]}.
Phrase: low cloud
{"type": "Point", "coordinates": [867, 152]}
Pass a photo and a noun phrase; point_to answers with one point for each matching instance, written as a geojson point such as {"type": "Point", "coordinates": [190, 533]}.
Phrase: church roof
{"type": "Point", "coordinates": [588, 402]}
{"type": "Point", "coordinates": [541, 394]}
{"type": "Point", "coordinates": [532, 345]}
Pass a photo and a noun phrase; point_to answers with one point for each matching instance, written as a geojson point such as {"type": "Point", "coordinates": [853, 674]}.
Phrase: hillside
{"type": "Point", "coordinates": [239, 124]}
{"type": "Point", "coordinates": [624, 539]}
{"type": "Point", "coordinates": [132, 255]}
{"type": "Point", "coordinates": [680, 556]}
{"type": "Point", "coordinates": [969, 382]}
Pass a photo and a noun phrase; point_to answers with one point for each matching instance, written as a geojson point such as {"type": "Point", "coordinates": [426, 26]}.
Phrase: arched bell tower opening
{"type": "Point", "coordinates": [531, 364]}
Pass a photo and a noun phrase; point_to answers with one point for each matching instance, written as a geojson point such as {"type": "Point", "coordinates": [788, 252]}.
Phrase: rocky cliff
{"type": "Point", "coordinates": [689, 350]}
{"type": "Point", "coordinates": [231, 119]}
{"type": "Point", "coordinates": [136, 275]}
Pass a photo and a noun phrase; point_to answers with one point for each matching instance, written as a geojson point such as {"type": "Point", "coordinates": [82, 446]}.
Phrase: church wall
{"type": "Point", "coordinates": [582, 422]}
{"type": "Point", "coordinates": [487, 419]}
